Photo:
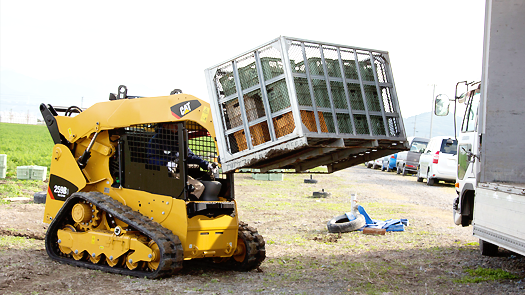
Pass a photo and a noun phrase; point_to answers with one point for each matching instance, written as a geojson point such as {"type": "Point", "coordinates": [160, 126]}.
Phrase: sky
{"type": "Point", "coordinates": [77, 52]}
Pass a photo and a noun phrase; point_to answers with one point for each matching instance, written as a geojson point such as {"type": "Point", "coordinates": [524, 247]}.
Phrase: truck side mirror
{"type": "Point", "coordinates": [441, 105]}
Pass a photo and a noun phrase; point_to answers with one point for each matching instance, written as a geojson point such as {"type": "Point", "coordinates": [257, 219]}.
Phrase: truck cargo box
{"type": "Point", "coordinates": [298, 104]}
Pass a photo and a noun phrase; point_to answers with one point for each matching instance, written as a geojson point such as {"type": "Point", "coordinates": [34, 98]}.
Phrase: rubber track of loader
{"type": "Point", "coordinates": [170, 247]}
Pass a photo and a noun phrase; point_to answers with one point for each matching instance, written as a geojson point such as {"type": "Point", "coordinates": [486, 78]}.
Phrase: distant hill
{"type": "Point", "coordinates": [441, 126]}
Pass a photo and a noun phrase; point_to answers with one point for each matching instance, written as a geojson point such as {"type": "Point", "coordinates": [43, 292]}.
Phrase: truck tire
{"type": "Point", "coordinates": [405, 172]}
{"type": "Point", "coordinates": [398, 171]}
{"type": "Point", "coordinates": [487, 249]}
{"type": "Point", "coordinates": [341, 224]}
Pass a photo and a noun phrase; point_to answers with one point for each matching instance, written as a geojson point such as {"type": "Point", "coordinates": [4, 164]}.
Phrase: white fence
{"type": "Point", "coordinates": [19, 118]}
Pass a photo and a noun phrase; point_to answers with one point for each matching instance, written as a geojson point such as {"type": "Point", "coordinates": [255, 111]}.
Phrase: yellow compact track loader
{"type": "Point", "coordinates": [134, 188]}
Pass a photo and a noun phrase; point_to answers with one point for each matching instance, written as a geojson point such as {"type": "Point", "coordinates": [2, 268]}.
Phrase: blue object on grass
{"type": "Point", "coordinates": [389, 225]}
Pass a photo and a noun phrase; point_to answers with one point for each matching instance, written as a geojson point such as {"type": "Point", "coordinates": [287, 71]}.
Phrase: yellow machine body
{"type": "Point", "coordinates": [204, 227]}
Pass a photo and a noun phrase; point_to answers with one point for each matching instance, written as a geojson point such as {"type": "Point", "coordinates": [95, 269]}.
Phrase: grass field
{"type": "Point", "coordinates": [25, 145]}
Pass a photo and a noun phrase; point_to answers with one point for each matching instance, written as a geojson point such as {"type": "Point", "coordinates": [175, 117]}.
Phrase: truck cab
{"type": "Point", "coordinates": [467, 148]}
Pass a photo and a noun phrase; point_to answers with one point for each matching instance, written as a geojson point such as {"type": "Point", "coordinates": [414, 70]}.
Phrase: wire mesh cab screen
{"type": "Point", "coordinates": [157, 157]}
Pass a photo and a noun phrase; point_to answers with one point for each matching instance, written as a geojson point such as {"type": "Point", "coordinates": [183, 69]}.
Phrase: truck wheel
{"type": "Point", "coordinates": [487, 249]}
{"type": "Point", "coordinates": [405, 172]}
{"type": "Point", "coordinates": [341, 224]}
{"type": "Point", "coordinates": [388, 169]}
{"type": "Point", "coordinates": [430, 181]}
{"type": "Point", "coordinates": [419, 178]}
{"type": "Point", "coordinates": [398, 170]}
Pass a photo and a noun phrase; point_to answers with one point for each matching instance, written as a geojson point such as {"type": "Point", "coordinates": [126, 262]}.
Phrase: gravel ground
{"type": "Point", "coordinates": [432, 256]}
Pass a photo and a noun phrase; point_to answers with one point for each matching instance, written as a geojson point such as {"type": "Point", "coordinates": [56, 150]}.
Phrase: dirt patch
{"type": "Point", "coordinates": [430, 257]}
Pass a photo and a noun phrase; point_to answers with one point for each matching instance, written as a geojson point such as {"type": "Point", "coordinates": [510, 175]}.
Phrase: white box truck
{"type": "Point", "coordinates": [491, 170]}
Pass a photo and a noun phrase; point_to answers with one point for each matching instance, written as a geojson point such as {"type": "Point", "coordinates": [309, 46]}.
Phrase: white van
{"type": "Point", "coordinates": [438, 161]}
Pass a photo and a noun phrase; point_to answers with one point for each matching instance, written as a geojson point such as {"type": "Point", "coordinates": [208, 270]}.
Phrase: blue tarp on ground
{"type": "Point", "coordinates": [389, 224]}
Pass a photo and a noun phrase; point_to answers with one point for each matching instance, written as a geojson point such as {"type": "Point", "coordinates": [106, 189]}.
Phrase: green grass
{"type": "Point", "coordinates": [25, 145]}
{"type": "Point", "coordinates": [17, 188]}
{"type": "Point", "coordinates": [485, 274]}
{"type": "Point", "coordinates": [18, 242]}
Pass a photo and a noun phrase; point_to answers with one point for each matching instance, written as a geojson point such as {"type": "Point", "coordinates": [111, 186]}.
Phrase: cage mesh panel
{"type": "Point", "coordinates": [344, 123]}
{"type": "Point", "coordinates": [284, 124]}
{"type": "Point", "coordinates": [393, 127]}
{"type": "Point", "coordinates": [308, 119]}
{"type": "Point", "coordinates": [232, 113]}
{"type": "Point", "coordinates": [224, 81]}
{"type": "Point", "coordinates": [247, 71]}
{"type": "Point", "coordinates": [328, 121]}
{"type": "Point", "coordinates": [380, 63]}
{"type": "Point", "coordinates": [260, 133]}
{"type": "Point", "coordinates": [253, 103]}
{"type": "Point", "coordinates": [361, 125]}
{"type": "Point", "coordinates": [278, 96]}
{"type": "Point", "coordinates": [348, 60]}
{"type": "Point", "coordinates": [332, 61]}
{"type": "Point", "coordinates": [303, 92]}
{"type": "Point", "coordinates": [295, 53]}
{"type": "Point", "coordinates": [237, 142]}
{"type": "Point", "coordinates": [313, 55]}
{"type": "Point", "coordinates": [372, 99]}
{"type": "Point", "coordinates": [271, 62]}
{"type": "Point", "coordinates": [378, 127]}
{"type": "Point", "coordinates": [356, 99]}
{"type": "Point", "coordinates": [321, 93]}
{"type": "Point", "coordinates": [365, 66]}
{"type": "Point", "coordinates": [387, 99]}
{"type": "Point", "coordinates": [338, 95]}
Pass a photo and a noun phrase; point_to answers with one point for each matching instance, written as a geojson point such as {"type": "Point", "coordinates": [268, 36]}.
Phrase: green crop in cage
{"type": "Point", "coordinates": [248, 76]}
{"type": "Point", "coordinates": [361, 125]}
{"type": "Point", "coordinates": [272, 67]}
{"type": "Point", "coordinates": [333, 68]}
{"type": "Point", "coordinates": [378, 127]}
{"type": "Point", "coordinates": [228, 84]}
{"type": "Point", "coordinates": [344, 123]}
{"type": "Point", "coordinates": [278, 96]}
{"type": "Point", "coordinates": [316, 66]}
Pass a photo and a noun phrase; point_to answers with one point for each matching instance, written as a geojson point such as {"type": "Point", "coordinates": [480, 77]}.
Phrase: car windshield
{"type": "Point", "coordinates": [449, 149]}
{"type": "Point", "coordinates": [418, 146]}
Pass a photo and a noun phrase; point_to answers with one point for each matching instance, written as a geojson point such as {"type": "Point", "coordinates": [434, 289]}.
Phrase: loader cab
{"type": "Point", "coordinates": [154, 158]}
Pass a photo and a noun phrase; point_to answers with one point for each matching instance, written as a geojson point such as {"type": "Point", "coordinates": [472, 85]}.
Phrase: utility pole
{"type": "Point", "coordinates": [432, 112]}
{"type": "Point", "coordinates": [415, 117]}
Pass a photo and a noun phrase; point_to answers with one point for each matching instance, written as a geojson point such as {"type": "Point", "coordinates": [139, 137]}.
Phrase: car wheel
{"type": "Point", "coordinates": [369, 165]}
{"type": "Point", "coordinates": [419, 178]}
{"type": "Point", "coordinates": [405, 172]}
{"type": "Point", "coordinates": [388, 169]}
{"type": "Point", "coordinates": [398, 170]}
{"type": "Point", "coordinates": [383, 168]}
{"type": "Point", "coordinates": [487, 249]}
{"type": "Point", "coordinates": [430, 181]}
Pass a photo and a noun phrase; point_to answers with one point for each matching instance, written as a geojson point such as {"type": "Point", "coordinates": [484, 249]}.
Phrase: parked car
{"type": "Point", "coordinates": [408, 161]}
{"type": "Point", "coordinates": [439, 161]}
{"type": "Point", "coordinates": [389, 163]}
{"type": "Point", "coordinates": [376, 164]}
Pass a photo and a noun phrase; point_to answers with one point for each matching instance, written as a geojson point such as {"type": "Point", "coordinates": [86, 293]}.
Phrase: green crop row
{"type": "Point", "coordinates": [25, 145]}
